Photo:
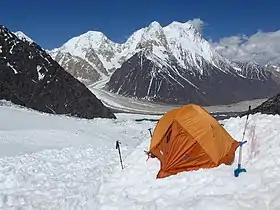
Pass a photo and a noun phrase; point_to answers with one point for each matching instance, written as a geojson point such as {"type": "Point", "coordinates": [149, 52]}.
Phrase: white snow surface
{"type": "Point", "coordinates": [40, 75]}
{"type": "Point", "coordinates": [58, 162]}
{"type": "Point", "coordinates": [187, 45]}
{"type": "Point", "coordinates": [14, 70]}
{"type": "Point", "coordinates": [23, 36]}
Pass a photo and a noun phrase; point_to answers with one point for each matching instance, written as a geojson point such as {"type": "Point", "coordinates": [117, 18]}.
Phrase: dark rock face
{"type": "Point", "coordinates": [142, 78]}
{"type": "Point", "coordinates": [271, 106]}
{"type": "Point", "coordinates": [29, 77]}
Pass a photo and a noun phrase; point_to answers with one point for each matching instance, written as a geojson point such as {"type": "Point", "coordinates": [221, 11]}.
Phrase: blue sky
{"type": "Point", "coordinates": [51, 23]}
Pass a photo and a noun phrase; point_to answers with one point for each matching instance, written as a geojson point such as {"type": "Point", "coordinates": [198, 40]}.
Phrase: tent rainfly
{"type": "Point", "coordinates": [189, 138]}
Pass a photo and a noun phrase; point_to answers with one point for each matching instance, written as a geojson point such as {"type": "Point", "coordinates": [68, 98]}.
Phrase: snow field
{"type": "Point", "coordinates": [56, 162]}
{"type": "Point", "coordinates": [211, 189]}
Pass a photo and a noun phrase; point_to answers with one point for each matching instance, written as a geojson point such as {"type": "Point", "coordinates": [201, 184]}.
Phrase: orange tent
{"type": "Point", "coordinates": [189, 138]}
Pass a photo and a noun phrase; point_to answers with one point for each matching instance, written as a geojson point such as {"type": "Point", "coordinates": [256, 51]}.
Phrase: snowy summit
{"type": "Point", "coordinates": [104, 54]}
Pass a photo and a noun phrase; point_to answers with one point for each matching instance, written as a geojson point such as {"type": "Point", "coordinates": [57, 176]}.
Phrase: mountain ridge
{"type": "Point", "coordinates": [118, 53]}
{"type": "Point", "coordinates": [166, 60]}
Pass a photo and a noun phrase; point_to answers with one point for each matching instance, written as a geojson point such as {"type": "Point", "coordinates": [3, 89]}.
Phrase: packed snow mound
{"type": "Point", "coordinates": [136, 187]}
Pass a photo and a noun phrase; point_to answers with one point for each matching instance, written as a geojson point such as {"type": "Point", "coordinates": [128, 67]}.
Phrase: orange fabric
{"type": "Point", "coordinates": [162, 127]}
{"type": "Point", "coordinates": [189, 138]}
{"type": "Point", "coordinates": [229, 157]}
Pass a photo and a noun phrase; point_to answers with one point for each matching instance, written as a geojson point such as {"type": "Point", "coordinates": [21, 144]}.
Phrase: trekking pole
{"type": "Point", "coordinates": [239, 169]}
{"type": "Point", "coordinates": [119, 149]}
{"type": "Point", "coordinates": [150, 132]}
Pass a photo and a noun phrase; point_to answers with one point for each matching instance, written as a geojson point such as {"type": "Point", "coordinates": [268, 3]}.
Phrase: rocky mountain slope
{"type": "Point", "coordinates": [30, 77]}
{"type": "Point", "coordinates": [271, 106]}
{"type": "Point", "coordinates": [252, 70]}
{"type": "Point", "coordinates": [77, 67]}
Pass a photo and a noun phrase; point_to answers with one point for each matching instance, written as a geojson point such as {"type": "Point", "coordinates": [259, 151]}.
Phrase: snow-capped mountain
{"type": "Point", "coordinates": [163, 63]}
{"type": "Point", "coordinates": [93, 47]}
{"type": "Point", "coordinates": [175, 64]}
{"type": "Point", "coordinates": [179, 42]}
{"type": "Point", "coordinates": [105, 56]}
{"type": "Point", "coordinates": [31, 78]}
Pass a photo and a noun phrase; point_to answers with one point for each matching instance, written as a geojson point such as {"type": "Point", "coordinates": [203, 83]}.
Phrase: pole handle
{"type": "Point", "coordinates": [119, 150]}
{"type": "Point", "coordinates": [118, 144]}
{"type": "Point", "coordinates": [248, 112]}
